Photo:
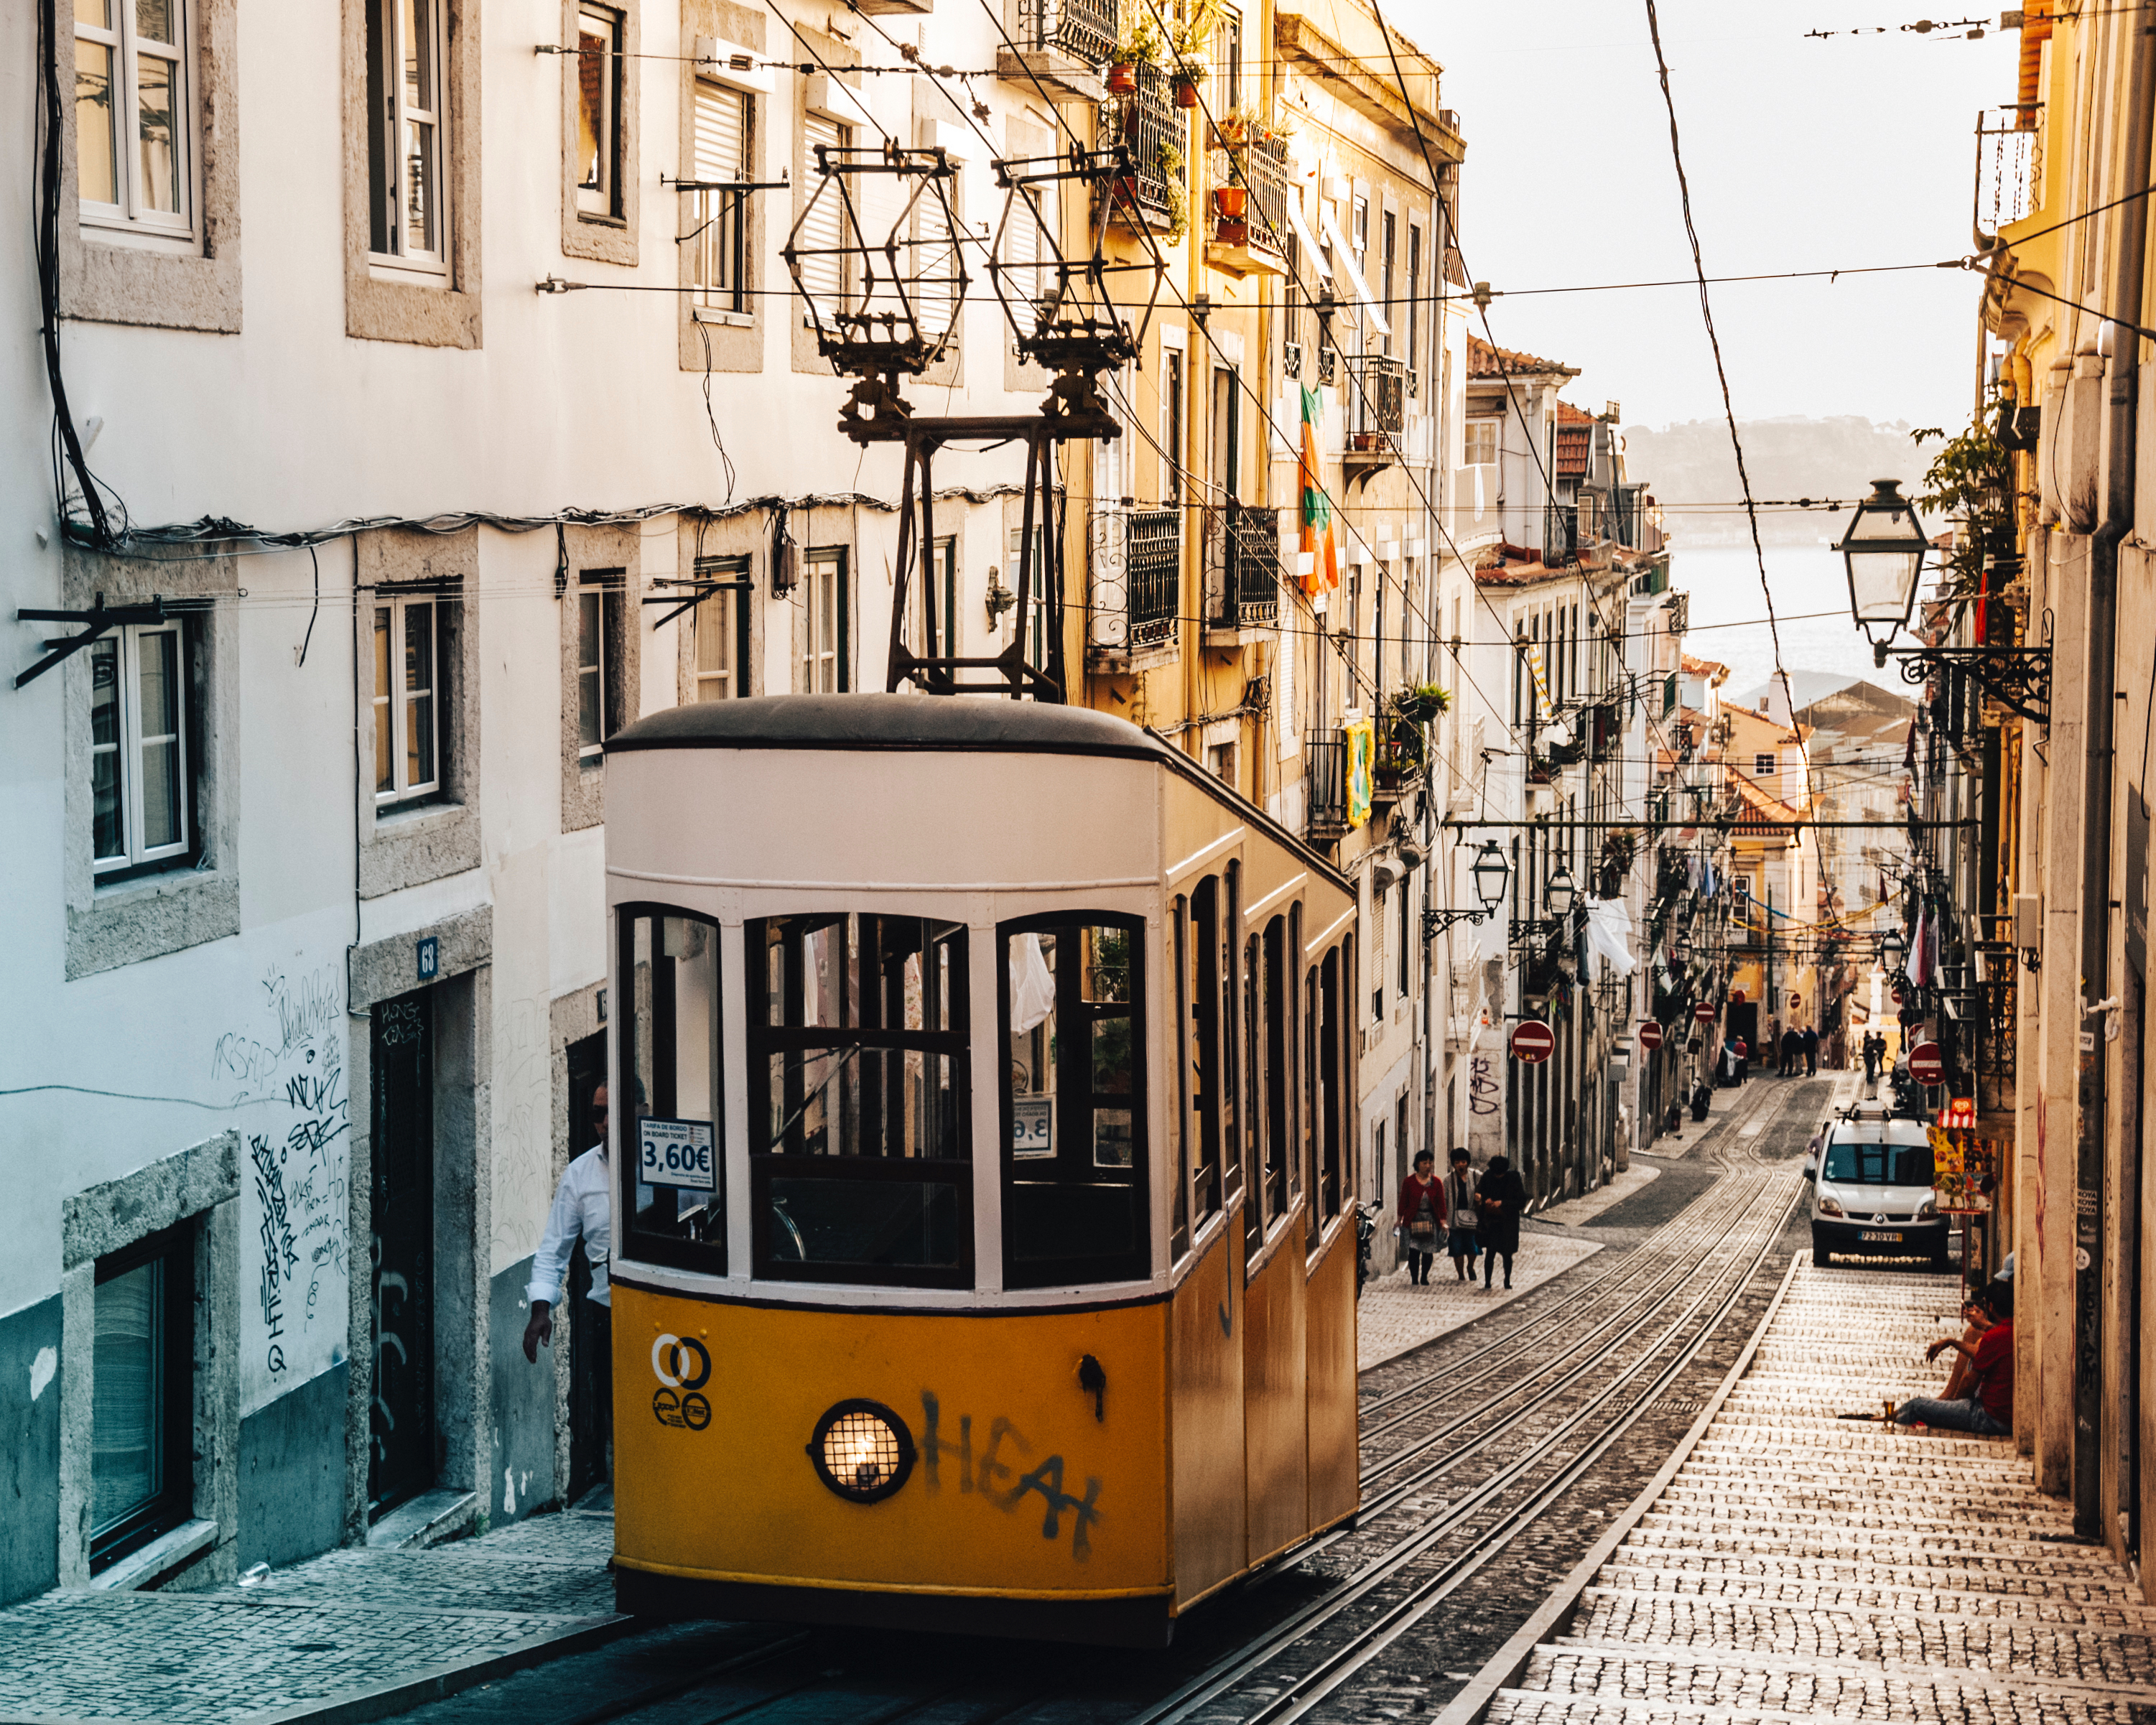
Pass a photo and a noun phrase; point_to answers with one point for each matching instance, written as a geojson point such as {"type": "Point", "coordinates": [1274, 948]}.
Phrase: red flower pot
{"type": "Point", "coordinates": [1186, 93]}
{"type": "Point", "coordinates": [1230, 201]}
{"type": "Point", "coordinates": [1122, 81]}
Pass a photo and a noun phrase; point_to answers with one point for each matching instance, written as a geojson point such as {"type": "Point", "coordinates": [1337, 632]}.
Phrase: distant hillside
{"type": "Point", "coordinates": [1690, 463]}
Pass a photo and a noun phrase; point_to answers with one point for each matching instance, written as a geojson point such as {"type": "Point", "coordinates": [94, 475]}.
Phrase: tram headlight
{"type": "Point", "coordinates": [862, 1450]}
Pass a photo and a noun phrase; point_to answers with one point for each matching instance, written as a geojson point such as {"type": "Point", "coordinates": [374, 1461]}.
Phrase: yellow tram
{"type": "Point", "coordinates": [984, 1256]}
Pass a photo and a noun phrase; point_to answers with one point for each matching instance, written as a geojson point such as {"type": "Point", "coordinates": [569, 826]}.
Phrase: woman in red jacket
{"type": "Point", "coordinates": [1422, 1215]}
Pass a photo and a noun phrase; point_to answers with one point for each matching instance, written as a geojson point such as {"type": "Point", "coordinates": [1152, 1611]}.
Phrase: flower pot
{"type": "Point", "coordinates": [1228, 232]}
{"type": "Point", "coordinates": [1365, 442]}
{"type": "Point", "coordinates": [1122, 81]}
{"type": "Point", "coordinates": [1186, 93]}
{"type": "Point", "coordinates": [1230, 201]}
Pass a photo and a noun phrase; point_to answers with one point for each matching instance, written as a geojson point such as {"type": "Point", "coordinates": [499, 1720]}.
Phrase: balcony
{"type": "Point", "coordinates": [1150, 127]}
{"type": "Point", "coordinates": [1242, 574]}
{"type": "Point", "coordinates": [1134, 571]}
{"type": "Point", "coordinates": [1254, 240]}
{"type": "Point", "coordinates": [1560, 534]}
{"type": "Point", "coordinates": [1060, 44]}
{"type": "Point", "coordinates": [1324, 785]}
{"type": "Point", "coordinates": [1377, 412]}
{"type": "Point", "coordinates": [2009, 166]}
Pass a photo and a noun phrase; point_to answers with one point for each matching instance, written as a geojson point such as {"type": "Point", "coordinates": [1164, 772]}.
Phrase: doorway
{"type": "Point", "coordinates": [591, 1378]}
{"type": "Point", "coordinates": [400, 1454]}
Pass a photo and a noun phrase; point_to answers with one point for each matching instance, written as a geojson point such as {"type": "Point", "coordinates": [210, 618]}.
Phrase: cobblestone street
{"type": "Point", "coordinates": [1799, 1565]}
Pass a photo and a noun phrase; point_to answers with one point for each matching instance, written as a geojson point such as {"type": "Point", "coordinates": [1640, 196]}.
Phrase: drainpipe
{"type": "Point", "coordinates": [2122, 370]}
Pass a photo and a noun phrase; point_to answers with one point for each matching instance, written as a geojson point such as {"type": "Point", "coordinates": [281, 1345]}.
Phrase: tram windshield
{"type": "Point", "coordinates": [859, 1098]}
{"type": "Point", "coordinates": [1073, 1108]}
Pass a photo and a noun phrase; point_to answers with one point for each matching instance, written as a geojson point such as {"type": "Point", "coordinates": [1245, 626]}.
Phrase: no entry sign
{"type": "Point", "coordinates": [1650, 1034]}
{"type": "Point", "coordinates": [1703, 1013]}
{"type": "Point", "coordinates": [1926, 1064]}
{"type": "Point", "coordinates": [1533, 1041]}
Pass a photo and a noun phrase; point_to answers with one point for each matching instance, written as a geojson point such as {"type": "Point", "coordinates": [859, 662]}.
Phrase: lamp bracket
{"type": "Point", "coordinates": [1436, 922]}
{"type": "Point", "coordinates": [2017, 678]}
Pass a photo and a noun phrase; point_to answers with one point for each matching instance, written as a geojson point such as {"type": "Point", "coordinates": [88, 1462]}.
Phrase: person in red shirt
{"type": "Point", "coordinates": [1987, 1409]}
{"type": "Point", "coordinates": [1422, 1215]}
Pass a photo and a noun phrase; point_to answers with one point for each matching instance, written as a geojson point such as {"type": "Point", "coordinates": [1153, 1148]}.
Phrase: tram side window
{"type": "Point", "coordinates": [1185, 1092]}
{"type": "Point", "coordinates": [1202, 1051]}
{"type": "Point", "coordinates": [1075, 1179]}
{"type": "Point", "coordinates": [1254, 1173]}
{"type": "Point", "coordinates": [859, 1100]}
{"type": "Point", "coordinates": [674, 1171]}
{"type": "Point", "coordinates": [1327, 1113]}
{"type": "Point", "coordinates": [1279, 996]}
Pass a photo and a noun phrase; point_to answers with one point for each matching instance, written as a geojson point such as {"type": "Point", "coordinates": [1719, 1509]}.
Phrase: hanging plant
{"type": "Point", "coordinates": [1142, 45]}
{"type": "Point", "coordinates": [1971, 477]}
{"type": "Point", "coordinates": [1179, 198]}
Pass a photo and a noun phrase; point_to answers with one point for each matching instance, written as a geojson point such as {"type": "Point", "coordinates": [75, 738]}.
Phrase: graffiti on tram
{"type": "Point", "coordinates": [1003, 1473]}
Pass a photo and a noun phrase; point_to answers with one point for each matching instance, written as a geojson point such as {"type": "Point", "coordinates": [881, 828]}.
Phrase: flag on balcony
{"type": "Point", "coordinates": [1321, 574]}
{"type": "Point", "coordinates": [1362, 738]}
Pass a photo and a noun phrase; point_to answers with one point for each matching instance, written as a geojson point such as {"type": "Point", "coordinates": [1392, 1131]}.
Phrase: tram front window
{"type": "Point", "coordinates": [1073, 1102]}
{"type": "Point", "coordinates": [673, 1169]}
{"type": "Point", "coordinates": [859, 1098]}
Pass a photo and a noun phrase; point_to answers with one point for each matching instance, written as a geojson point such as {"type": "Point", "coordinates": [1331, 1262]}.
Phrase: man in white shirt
{"type": "Point", "coordinates": [581, 1206]}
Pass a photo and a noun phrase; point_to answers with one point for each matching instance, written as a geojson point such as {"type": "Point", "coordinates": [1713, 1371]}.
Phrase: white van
{"type": "Point", "coordinates": [1872, 1190]}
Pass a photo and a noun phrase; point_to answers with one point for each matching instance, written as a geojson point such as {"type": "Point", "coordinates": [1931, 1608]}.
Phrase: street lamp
{"type": "Point", "coordinates": [1884, 546]}
{"type": "Point", "coordinates": [1560, 892]}
{"type": "Point", "coordinates": [1892, 950]}
{"type": "Point", "coordinates": [1490, 874]}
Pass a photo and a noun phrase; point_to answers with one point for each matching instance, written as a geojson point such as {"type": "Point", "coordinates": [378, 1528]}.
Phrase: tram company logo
{"type": "Point", "coordinates": [682, 1366]}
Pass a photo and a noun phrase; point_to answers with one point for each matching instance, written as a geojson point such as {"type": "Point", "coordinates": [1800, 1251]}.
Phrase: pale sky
{"type": "Point", "coordinates": [1801, 154]}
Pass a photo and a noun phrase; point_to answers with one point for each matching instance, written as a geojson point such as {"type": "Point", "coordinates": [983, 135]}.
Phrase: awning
{"type": "Point", "coordinates": [1304, 239]}
{"type": "Point", "coordinates": [1347, 257]}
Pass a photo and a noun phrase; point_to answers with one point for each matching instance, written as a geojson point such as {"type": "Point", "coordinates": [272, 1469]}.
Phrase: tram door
{"type": "Point", "coordinates": [401, 1247]}
{"type": "Point", "coordinates": [590, 1377]}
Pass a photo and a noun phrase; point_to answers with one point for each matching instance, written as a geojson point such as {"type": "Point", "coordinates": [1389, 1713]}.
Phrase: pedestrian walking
{"type": "Point", "coordinates": [582, 1206]}
{"type": "Point", "coordinates": [1811, 1051]}
{"type": "Point", "coordinates": [1460, 1235]}
{"type": "Point", "coordinates": [1499, 1200]}
{"type": "Point", "coordinates": [1422, 1216]}
{"type": "Point", "coordinates": [1793, 1051]}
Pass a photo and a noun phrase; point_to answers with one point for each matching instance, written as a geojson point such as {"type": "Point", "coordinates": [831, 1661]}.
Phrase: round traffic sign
{"type": "Point", "coordinates": [1533, 1041]}
{"type": "Point", "coordinates": [1926, 1065]}
{"type": "Point", "coordinates": [1704, 1012]}
{"type": "Point", "coordinates": [1650, 1034]}
{"type": "Point", "coordinates": [1736, 997]}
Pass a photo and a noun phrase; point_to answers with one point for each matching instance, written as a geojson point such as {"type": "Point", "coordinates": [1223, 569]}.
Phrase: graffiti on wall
{"type": "Point", "coordinates": [295, 1196]}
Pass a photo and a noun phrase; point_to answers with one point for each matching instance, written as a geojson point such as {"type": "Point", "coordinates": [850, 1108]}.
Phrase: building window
{"type": "Point", "coordinates": [1762, 766]}
{"type": "Point", "coordinates": [823, 601]}
{"type": "Point", "coordinates": [1227, 430]}
{"type": "Point", "coordinates": [1388, 230]}
{"type": "Point", "coordinates": [1481, 447]}
{"type": "Point", "coordinates": [408, 744]}
{"type": "Point", "coordinates": [141, 1474]}
{"type": "Point", "coordinates": [1172, 412]}
{"type": "Point", "coordinates": [1221, 762]}
{"type": "Point", "coordinates": [591, 691]}
{"type": "Point", "coordinates": [722, 629]}
{"type": "Point", "coordinates": [407, 127]}
{"type": "Point", "coordinates": [821, 234]}
{"type": "Point", "coordinates": [718, 242]}
{"type": "Point", "coordinates": [140, 809]}
{"type": "Point", "coordinates": [1229, 33]}
{"type": "Point", "coordinates": [943, 574]}
{"type": "Point", "coordinates": [132, 109]}
{"type": "Point", "coordinates": [1412, 315]}
{"type": "Point", "coordinates": [1359, 234]}
{"type": "Point", "coordinates": [599, 112]}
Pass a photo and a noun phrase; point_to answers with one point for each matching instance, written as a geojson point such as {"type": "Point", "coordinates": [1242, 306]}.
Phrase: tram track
{"type": "Point", "coordinates": [1478, 1537]}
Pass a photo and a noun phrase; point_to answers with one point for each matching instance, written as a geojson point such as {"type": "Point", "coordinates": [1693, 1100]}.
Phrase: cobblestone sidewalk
{"type": "Point", "coordinates": [327, 1639]}
{"type": "Point", "coordinates": [1801, 1567]}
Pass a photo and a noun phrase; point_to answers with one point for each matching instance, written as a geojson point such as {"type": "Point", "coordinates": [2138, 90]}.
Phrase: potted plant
{"type": "Point", "coordinates": [1179, 199]}
{"type": "Point", "coordinates": [1186, 44]}
{"type": "Point", "coordinates": [1185, 85]}
{"type": "Point", "coordinates": [1422, 703]}
{"type": "Point", "coordinates": [1142, 46]}
{"type": "Point", "coordinates": [1231, 201]}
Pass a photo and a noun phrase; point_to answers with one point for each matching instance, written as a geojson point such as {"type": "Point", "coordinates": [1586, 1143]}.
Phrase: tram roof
{"type": "Point", "coordinates": [891, 722]}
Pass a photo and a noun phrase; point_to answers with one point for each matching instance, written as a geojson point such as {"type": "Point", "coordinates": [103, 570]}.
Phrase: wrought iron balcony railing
{"type": "Point", "coordinates": [1152, 127]}
{"type": "Point", "coordinates": [1083, 29]}
{"type": "Point", "coordinates": [1134, 567]}
{"type": "Point", "coordinates": [1380, 392]}
{"type": "Point", "coordinates": [1325, 784]}
{"type": "Point", "coordinates": [1242, 566]}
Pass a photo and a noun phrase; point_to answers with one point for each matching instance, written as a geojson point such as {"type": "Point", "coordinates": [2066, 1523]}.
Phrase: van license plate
{"type": "Point", "coordinates": [1883, 1238]}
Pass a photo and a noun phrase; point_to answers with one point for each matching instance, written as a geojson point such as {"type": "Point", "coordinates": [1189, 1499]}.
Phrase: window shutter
{"type": "Point", "coordinates": [722, 133]}
{"type": "Point", "coordinates": [823, 277]}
